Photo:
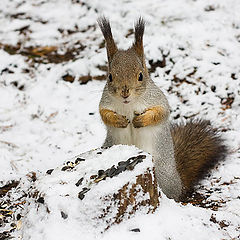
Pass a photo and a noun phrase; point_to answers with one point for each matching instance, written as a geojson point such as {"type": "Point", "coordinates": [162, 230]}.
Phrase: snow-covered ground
{"type": "Point", "coordinates": [193, 53]}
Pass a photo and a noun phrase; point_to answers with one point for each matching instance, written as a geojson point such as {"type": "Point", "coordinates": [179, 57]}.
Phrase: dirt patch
{"type": "Point", "coordinates": [4, 190]}
{"type": "Point", "coordinates": [201, 200]}
{"type": "Point", "coordinates": [69, 77]}
{"type": "Point", "coordinates": [82, 79]}
{"type": "Point", "coordinates": [11, 205]}
{"type": "Point", "coordinates": [45, 54]}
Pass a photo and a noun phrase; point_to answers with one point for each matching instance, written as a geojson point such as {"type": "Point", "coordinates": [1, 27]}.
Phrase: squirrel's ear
{"type": "Point", "coordinates": [138, 44]}
{"type": "Point", "coordinates": [107, 33]}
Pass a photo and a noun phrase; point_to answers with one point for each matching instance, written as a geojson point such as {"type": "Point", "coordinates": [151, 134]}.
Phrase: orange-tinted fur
{"type": "Point", "coordinates": [151, 116]}
{"type": "Point", "coordinates": [113, 119]}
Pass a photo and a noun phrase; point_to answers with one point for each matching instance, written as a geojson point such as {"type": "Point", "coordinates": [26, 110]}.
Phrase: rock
{"type": "Point", "coordinates": [79, 182]}
{"type": "Point", "coordinates": [97, 190]}
{"type": "Point", "coordinates": [135, 230]}
{"type": "Point", "coordinates": [64, 215]}
{"type": "Point", "coordinates": [49, 171]}
{"type": "Point", "coordinates": [40, 200]}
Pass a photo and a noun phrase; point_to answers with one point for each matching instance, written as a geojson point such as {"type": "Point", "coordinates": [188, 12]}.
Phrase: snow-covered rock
{"type": "Point", "coordinates": [96, 189]}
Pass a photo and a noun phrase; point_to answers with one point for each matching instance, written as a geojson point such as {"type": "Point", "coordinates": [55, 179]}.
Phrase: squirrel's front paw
{"type": "Point", "coordinates": [121, 121]}
{"type": "Point", "coordinates": [138, 121]}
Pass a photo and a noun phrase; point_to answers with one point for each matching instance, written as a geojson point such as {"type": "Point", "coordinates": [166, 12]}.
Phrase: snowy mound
{"type": "Point", "coordinates": [93, 191]}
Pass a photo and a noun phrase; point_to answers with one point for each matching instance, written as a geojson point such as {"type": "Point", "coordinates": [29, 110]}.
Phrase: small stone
{"type": "Point", "coordinates": [120, 169]}
{"type": "Point", "coordinates": [99, 152]}
{"type": "Point", "coordinates": [135, 230]}
{"type": "Point", "coordinates": [85, 189]}
{"type": "Point", "coordinates": [127, 162]}
{"type": "Point", "coordinates": [12, 230]}
{"type": "Point", "coordinates": [49, 171]}
{"type": "Point", "coordinates": [100, 172]}
{"type": "Point", "coordinates": [135, 162]}
{"type": "Point", "coordinates": [13, 225]}
{"type": "Point", "coordinates": [81, 194]}
{"type": "Point", "coordinates": [41, 200]}
{"type": "Point", "coordinates": [64, 215]}
{"type": "Point", "coordinates": [138, 157]}
{"type": "Point", "coordinates": [141, 157]}
{"type": "Point", "coordinates": [213, 88]}
{"type": "Point", "coordinates": [107, 172]}
{"type": "Point", "coordinates": [21, 87]}
{"type": "Point", "coordinates": [79, 182]}
{"type": "Point", "coordinates": [93, 176]}
{"type": "Point", "coordinates": [18, 216]}
{"type": "Point", "coordinates": [66, 168]}
{"type": "Point", "coordinates": [233, 76]}
{"type": "Point", "coordinates": [121, 163]}
{"type": "Point", "coordinates": [112, 171]}
{"type": "Point", "coordinates": [70, 164]}
{"type": "Point", "coordinates": [79, 160]}
{"type": "Point", "coordinates": [4, 235]}
{"type": "Point", "coordinates": [103, 177]}
{"type": "Point", "coordinates": [105, 147]}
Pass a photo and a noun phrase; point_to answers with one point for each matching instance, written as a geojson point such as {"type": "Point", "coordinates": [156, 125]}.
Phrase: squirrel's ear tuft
{"type": "Point", "coordinates": [107, 33]}
{"type": "Point", "coordinates": [139, 31]}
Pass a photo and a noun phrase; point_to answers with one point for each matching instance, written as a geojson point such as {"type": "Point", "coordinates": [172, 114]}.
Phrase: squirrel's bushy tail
{"type": "Point", "coordinates": [198, 147]}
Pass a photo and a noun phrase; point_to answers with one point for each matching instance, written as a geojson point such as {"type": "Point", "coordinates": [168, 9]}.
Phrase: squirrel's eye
{"type": "Point", "coordinates": [140, 77]}
{"type": "Point", "coordinates": [110, 77]}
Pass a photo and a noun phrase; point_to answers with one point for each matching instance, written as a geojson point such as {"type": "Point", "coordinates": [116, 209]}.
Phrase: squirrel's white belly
{"type": "Point", "coordinates": [143, 138]}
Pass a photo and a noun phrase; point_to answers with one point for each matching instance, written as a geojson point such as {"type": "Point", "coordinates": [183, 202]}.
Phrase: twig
{"type": "Point", "coordinates": [9, 144]}
{"type": "Point", "coordinates": [52, 115]}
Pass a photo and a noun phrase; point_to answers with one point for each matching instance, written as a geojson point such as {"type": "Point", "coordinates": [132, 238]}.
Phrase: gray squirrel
{"type": "Point", "coordinates": [136, 112]}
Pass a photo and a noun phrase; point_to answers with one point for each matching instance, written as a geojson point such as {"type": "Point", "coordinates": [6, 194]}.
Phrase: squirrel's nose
{"type": "Point", "coordinates": [125, 93]}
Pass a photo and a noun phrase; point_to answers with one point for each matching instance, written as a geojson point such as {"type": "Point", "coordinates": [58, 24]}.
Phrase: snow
{"type": "Point", "coordinates": [59, 192]}
{"type": "Point", "coordinates": [169, 220]}
{"type": "Point", "coordinates": [51, 120]}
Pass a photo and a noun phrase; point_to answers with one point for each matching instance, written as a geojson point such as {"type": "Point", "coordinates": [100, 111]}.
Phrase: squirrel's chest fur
{"type": "Point", "coordinates": [143, 138]}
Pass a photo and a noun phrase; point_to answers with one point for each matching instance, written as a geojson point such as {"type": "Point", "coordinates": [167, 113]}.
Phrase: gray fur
{"type": "Point", "coordinates": [178, 164]}
{"type": "Point", "coordinates": [162, 146]}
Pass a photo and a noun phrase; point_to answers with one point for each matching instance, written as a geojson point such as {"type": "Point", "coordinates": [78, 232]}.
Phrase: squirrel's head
{"type": "Point", "coordinates": [127, 72]}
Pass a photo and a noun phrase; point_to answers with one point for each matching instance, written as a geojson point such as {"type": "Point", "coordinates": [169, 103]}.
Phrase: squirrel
{"type": "Point", "coordinates": [136, 112]}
